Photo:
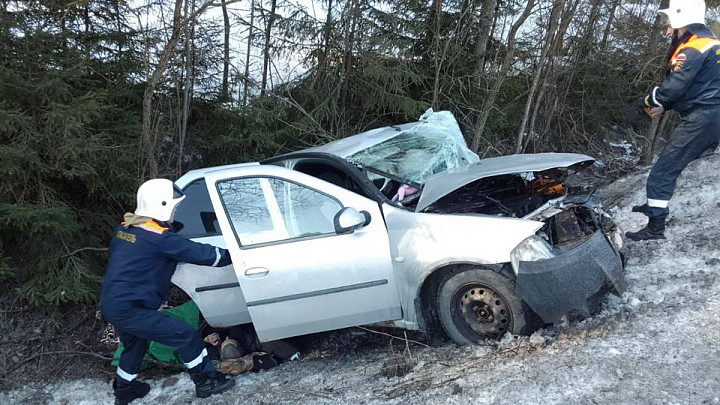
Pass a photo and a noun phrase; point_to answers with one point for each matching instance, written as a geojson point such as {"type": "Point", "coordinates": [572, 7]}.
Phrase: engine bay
{"type": "Point", "coordinates": [510, 195]}
{"type": "Point", "coordinates": [568, 211]}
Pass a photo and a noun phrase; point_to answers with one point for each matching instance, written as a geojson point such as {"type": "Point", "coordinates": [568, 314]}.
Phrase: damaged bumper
{"type": "Point", "coordinates": [575, 280]}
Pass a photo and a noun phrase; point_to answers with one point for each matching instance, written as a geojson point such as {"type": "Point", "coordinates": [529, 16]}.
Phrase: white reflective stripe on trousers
{"type": "Point", "coordinates": [125, 375]}
{"type": "Point", "coordinates": [657, 203]}
{"type": "Point", "coordinates": [217, 257]}
{"type": "Point", "coordinates": [197, 360]}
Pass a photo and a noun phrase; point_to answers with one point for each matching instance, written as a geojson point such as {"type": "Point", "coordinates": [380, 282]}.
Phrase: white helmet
{"type": "Point", "coordinates": [157, 199]}
{"type": "Point", "coordinates": [681, 13]}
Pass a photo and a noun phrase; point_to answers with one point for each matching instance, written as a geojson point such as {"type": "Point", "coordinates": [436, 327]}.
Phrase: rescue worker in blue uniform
{"type": "Point", "coordinates": [143, 255]}
{"type": "Point", "coordinates": [692, 88]}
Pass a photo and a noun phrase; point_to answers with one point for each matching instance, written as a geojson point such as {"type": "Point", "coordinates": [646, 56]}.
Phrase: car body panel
{"type": "Point", "coordinates": [422, 243]}
{"type": "Point", "coordinates": [311, 284]}
{"type": "Point", "coordinates": [554, 287]}
{"type": "Point", "coordinates": [214, 289]}
{"type": "Point", "coordinates": [196, 174]}
{"type": "Point", "coordinates": [446, 182]}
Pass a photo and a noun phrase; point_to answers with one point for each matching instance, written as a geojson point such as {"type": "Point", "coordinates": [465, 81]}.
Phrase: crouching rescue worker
{"type": "Point", "coordinates": [692, 88]}
{"type": "Point", "coordinates": [143, 255]}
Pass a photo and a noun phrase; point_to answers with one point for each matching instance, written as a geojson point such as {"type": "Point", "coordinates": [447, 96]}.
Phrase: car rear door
{"type": "Point", "coordinates": [298, 275]}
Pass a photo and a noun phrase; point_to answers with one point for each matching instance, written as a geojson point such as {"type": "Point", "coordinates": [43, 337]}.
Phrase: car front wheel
{"type": "Point", "coordinates": [479, 304]}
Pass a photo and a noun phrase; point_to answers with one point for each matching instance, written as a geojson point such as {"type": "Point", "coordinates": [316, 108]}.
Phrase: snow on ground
{"type": "Point", "coordinates": [655, 345]}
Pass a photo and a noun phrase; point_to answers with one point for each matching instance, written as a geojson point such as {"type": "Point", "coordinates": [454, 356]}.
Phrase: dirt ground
{"type": "Point", "coordinates": [657, 344]}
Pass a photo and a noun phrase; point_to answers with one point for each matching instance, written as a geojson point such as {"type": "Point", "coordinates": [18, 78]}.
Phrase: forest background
{"type": "Point", "coordinates": [97, 96]}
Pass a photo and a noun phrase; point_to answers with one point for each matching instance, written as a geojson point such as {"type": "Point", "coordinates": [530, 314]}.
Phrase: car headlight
{"type": "Point", "coordinates": [531, 249]}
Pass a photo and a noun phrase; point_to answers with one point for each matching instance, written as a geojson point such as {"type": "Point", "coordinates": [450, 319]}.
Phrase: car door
{"type": "Point", "coordinates": [215, 290]}
{"type": "Point", "coordinates": [297, 274]}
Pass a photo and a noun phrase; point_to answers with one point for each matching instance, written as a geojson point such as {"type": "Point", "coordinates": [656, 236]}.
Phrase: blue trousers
{"type": "Point", "coordinates": [698, 132]}
{"type": "Point", "coordinates": [137, 325]}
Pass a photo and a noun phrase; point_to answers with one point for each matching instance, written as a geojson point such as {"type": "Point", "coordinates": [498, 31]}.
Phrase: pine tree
{"type": "Point", "coordinates": [69, 120]}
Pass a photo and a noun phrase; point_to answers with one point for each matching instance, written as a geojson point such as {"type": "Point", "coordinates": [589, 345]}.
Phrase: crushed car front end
{"type": "Point", "coordinates": [575, 259]}
{"type": "Point", "coordinates": [572, 262]}
{"type": "Point", "coordinates": [568, 265]}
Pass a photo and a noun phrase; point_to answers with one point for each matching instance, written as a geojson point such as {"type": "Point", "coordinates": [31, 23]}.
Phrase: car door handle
{"type": "Point", "coordinates": [256, 272]}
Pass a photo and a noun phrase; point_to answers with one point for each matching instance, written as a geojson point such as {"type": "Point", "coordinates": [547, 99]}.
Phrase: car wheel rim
{"type": "Point", "coordinates": [481, 312]}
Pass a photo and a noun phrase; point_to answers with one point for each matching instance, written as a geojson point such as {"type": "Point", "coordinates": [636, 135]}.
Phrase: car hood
{"type": "Point", "coordinates": [448, 181]}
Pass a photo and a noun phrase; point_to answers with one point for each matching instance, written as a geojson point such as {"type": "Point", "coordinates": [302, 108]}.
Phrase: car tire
{"type": "Point", "coordinates": [479, 304]}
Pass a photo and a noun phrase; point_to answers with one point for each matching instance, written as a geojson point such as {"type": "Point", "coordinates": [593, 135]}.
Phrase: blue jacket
{"type": "Point", "coordinates": [142, 260]}
{"type": "Point", "coordinates": [693, 79]}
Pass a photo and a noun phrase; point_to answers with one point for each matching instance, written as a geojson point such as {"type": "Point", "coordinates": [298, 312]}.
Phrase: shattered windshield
{"type": "Point", "coordinates": [433, 146]}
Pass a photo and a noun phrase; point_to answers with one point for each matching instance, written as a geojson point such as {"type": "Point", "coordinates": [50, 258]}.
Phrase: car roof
{"type": "Point", "coordinates": [355, 143]}
{"type": "Point", "coordinates": [341, 148]}
{"type": "Point", "coordinates": [193, 175]}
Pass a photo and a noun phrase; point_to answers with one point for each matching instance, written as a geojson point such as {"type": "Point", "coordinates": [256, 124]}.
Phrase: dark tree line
{"type": "Point", "coordinates": [98, 95]}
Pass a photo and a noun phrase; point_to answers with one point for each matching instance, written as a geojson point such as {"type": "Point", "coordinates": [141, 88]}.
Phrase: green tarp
{"type": "Point", "coordinates": [187, 312]}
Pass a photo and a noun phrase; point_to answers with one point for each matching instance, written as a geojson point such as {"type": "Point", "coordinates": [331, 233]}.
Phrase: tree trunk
{"type": "Point", "coordinates": [266, 47]}
{"type": "Point", "coordinates": [505, 68]}
{"type": "Point", "coordinates": [246, 79]}
{"type": "Point", "coordinates": [349, 44]}
{"type": "Point", "coordinates": [149, 167]}
{"type": "Point", "coordinates": [438, 57]}
{"type": "Point", "coordinates": [588, 38]}
{"type": "Point", "coordinates": [549, 79]}
{"type": "Point", "coordinates": [86, 17]}
{"type": "Point", "coordinates": [651, 135]}
{"type": "Point", "coordinates": [118, 20]}
{"type": "Point", "coordinates": [188, 82]}
{"type": "Point", "coordinates": [148, 162]}
{"type": "Point", "coordinates": [653, 39]}
{"type": "Point", "coordinates": [552, 28]}
{"type": "Point", "coordinates": [483, 37]}
{"type": "Point", "coordinates": [608, 27]}
{"type": "Point", "coordinates": [224, 91]}
{"type": "Point", "coordinates": [327, 31]}
{"type": "Point", "coordinates": [432, 27]}
{"type": "Point", "coordinates": [659, 136]}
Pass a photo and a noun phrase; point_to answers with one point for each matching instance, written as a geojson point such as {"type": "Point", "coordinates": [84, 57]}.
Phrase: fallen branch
{"type": "Point", "coordinates": [399, 338]}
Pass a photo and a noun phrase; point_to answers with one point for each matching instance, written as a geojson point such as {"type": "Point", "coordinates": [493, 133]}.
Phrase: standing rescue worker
{"type": "Point", "coordinates": [692, 88]}
{"type": "Point", "coordinates": [143, 255]}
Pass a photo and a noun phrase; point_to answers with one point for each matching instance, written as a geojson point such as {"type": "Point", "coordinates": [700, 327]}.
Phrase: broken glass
{"type": "Point", "coordinates": [433, 146]}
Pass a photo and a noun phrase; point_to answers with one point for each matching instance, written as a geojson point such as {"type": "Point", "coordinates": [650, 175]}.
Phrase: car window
{"type": "Point", "coordinates": [305, 211]}
{"type": "Point", "coordinates": [196, 213]}
{"type": "Point", "coordinates": [264, 210]}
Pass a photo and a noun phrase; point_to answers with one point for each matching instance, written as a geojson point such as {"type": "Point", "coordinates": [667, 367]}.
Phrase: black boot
{"type": "Point", "coordinates": [654, 230]}
{"type": "Point", "coordinates": [126, 393]}
{"type": "Point", "coordinates": [644, 209]}
{"type": "Point", "coordinates": [206, 385]}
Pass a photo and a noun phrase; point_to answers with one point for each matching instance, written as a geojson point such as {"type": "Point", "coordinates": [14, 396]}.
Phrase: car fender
{"type": "Point", "coordinates": [424, 243]}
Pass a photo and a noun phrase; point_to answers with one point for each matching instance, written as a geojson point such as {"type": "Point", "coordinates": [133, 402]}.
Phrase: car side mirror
{"type": "Point", "coordinates": [348, 219]}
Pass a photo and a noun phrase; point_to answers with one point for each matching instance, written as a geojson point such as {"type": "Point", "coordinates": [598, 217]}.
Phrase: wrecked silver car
{"type": "Point", "coordinates": [402, 224]}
